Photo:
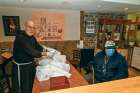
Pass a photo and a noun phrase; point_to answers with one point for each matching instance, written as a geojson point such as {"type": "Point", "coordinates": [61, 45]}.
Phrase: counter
{"type": "Point", "coordinates": [129, 85]}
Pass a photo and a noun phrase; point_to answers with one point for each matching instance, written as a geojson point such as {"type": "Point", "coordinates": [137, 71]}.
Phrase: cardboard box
{"type": "Point", "coordinates": [60, 82]}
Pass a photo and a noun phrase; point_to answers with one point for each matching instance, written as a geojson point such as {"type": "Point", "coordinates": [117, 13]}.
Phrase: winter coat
{"type": "Point", "coordinates": [115, 68]}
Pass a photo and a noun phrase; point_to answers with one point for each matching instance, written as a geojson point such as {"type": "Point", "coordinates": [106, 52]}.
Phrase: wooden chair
{"type": "Point", "coordinates": [4, 78]}
{"type": "Point", "coordinates": [75, 57]}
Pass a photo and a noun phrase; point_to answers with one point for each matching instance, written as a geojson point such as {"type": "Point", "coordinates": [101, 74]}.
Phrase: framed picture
{"type": "Point", "coordinates": [11, 25]}
{"type": "Point", "coordinates": [90, 27]}
{"type": "Point", "coordinates": [90, 24]}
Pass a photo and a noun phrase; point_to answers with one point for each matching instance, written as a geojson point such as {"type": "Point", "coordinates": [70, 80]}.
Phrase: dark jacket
{"type": "Point", "coordinates": [115, 68]}
{"type": "Point", "coordinates": [26, 48]}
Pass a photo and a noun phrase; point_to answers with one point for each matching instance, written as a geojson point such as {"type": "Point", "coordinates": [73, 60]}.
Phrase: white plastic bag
{"type": "Point", "coordinates": [52, 66]}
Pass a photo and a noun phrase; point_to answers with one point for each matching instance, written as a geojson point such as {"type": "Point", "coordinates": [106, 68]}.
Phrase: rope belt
{"type": "Point", "coordinates": [20, 64]}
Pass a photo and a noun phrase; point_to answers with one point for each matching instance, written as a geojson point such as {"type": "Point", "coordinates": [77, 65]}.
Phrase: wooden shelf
{"type": "Point", "coordinates": [113, 21]}
{"type": "Point", "coordinates": [115, 26]}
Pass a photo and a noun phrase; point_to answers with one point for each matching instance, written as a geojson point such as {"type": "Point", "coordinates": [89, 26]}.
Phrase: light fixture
{"type": "Point", "coordinates": [126, 8]}
{"type": "Point", "coordinates": [99, 6]}
{"type": "Point", "coordinates": [22, 0]}
{"type": "Point", "coordinates": [136, 2]}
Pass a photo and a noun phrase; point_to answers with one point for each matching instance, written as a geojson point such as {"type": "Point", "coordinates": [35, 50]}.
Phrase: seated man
{"type": "Point", "coordinates": [109, 64]}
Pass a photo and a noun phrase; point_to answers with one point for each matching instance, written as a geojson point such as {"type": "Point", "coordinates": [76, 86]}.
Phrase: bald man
{"type": "Point", "coordinates": [26, 48]}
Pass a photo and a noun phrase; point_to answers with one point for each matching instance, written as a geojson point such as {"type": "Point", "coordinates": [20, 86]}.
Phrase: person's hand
{"type": "Point", "coordinates": [45, 50]}
{"type": "Point", "coordinates": [36, 61]}
{"type": "Point", "coordinates": [44, 53]}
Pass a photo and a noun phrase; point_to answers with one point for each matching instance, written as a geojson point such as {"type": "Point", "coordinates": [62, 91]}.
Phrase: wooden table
{"type": "Point", "coordinates": [4, 56]}
{"type": "Point", "coordinates": [130, 85]}
{"type": "Point", "coordinates": [75, 81]}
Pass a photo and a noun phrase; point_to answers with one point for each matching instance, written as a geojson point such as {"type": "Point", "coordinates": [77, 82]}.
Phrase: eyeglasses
{"type": "Point", "coordinates": [31, 27]}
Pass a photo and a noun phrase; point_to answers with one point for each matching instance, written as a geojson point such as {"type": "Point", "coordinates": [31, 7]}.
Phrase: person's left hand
{"type": "Point", "coordinates": [44, 53]}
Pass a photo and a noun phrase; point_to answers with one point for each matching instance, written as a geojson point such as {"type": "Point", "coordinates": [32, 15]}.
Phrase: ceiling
{"type": "Point", "coordinates": [124, 6]}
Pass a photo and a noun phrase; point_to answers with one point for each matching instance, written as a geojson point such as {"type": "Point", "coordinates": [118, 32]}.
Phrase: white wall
{"type": "Point", "coordinates": [71, 28]}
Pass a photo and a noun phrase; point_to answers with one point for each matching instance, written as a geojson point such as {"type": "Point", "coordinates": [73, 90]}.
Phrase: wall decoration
{"type": "Point", "coordinates": [11, 25]}
{"type": "Point", "coordinates": [49, 26]}
{"type": "Point", "coordinates": [90, 24]}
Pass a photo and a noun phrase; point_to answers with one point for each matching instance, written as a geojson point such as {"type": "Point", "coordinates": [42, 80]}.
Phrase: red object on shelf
{"type": "Point", "coordinates": [60, 82]}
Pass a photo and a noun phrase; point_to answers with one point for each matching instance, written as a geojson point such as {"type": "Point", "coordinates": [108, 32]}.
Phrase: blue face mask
{"type": "Point", "coordinates": [109, 52]}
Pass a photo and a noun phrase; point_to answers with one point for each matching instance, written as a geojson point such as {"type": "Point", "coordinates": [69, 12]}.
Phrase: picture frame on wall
{"type": "Point", "coordinates": [11, 25]}
{"type": "Point", "coordinates": [90, 27]}
{"type": "Point", "coordinates": [90, 24]}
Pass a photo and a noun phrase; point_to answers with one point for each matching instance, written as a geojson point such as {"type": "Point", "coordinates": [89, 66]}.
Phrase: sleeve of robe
{"type": "Point", "coordinates": [38, 46]}
{"type": "Point", "coordinates": [28, 48]}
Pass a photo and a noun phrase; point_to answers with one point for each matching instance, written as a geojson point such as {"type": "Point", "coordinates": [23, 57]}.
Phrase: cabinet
{"type": "Point", "coordinates": [135, 58]}
{"type": "Point", "coordinates": [113, 29]}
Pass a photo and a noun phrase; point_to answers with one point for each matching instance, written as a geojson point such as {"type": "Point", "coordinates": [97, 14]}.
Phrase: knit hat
{"type": "Point", "coordinates": [110, 44]}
